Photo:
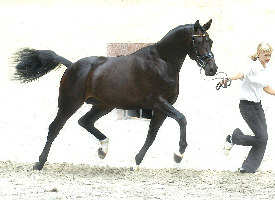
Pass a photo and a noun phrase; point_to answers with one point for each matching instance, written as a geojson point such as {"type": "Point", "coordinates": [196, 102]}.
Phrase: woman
{"type": "Point", "coordinates": [254, 83]}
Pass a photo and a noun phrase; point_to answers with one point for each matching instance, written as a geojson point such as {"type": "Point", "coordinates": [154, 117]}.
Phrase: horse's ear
{"type": "Point", "coordinates": [197, 25]}
{"type": "Point", "coordinates": [207, 25]}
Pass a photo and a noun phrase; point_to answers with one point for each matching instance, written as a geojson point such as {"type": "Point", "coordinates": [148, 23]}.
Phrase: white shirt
{"type": "Point", "coordinates": [255, 79]}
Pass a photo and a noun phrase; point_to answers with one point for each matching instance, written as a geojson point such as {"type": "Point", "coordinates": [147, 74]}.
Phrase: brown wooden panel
{"type": "Point", "coordinates": [122, 49]}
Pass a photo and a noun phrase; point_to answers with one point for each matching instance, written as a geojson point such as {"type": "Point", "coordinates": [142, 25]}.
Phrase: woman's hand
{"type": "Point", "coordinates": [235, 77]}
{"type": "Point", "coordinates": [224, 81]}
{"type": "Point", "coordinates": [269, 90]}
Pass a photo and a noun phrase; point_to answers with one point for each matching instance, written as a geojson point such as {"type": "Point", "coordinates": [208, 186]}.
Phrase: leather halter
{"type": "Point", "coordinates": [201, 59]}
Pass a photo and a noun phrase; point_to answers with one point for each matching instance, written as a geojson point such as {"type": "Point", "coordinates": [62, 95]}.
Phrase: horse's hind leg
{"type": "Point", "coordinates": [88, 121]}
{"type": "Point", "coordinates": [68, 105]}
{"type": "Point", "coordinates": [156, 121]}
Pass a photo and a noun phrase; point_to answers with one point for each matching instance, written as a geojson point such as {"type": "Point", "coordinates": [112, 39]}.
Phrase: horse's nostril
{"type": "Point", "coordinates": [214, 70]}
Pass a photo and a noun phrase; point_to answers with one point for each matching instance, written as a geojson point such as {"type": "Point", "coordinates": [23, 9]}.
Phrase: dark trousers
{"type": "Point", "coordinates": [254, 116]}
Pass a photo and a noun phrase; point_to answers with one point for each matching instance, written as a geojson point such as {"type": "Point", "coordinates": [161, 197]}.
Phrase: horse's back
{"type": "Point", "coordinates": [82, 67]}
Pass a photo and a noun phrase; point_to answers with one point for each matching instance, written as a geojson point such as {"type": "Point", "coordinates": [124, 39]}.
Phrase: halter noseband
{"type": "Point", "coordinates": [201, 59]}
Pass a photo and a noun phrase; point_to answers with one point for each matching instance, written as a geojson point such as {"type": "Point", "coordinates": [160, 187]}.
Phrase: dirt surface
{"type": "Point", "coordinates": [65, 181]}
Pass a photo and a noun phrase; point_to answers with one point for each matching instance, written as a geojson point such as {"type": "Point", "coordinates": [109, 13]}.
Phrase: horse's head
{"type": "Point", "coordinates": [200, 50]}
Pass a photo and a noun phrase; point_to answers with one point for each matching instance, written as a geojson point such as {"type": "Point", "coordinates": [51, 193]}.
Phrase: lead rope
{"type": "Point", "coordinates": [226, 81]}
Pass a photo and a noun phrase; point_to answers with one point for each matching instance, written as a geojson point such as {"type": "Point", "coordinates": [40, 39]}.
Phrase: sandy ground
{"type": "Point", "coordinates": [65, 181]}
{"type": "Point", "coordinates": [75, 29]}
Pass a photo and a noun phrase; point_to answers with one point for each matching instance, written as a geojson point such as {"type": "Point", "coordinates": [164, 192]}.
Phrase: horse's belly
{"type": "Point", "coordinates": [122, 99]}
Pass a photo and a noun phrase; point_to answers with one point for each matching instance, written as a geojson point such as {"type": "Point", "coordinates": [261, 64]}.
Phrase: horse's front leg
{"type": "Point", "coordinates": [166, 108]}
{"type": "Point", "coordinates": [156, 121]}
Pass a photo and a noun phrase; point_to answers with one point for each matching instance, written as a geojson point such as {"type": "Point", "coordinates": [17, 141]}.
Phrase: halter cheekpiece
{"type": "Point", "coordinates": [201, 59]}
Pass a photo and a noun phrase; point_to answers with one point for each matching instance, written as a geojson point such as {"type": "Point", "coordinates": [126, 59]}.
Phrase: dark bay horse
{"type": "Point", "coordinates": [146, 79]}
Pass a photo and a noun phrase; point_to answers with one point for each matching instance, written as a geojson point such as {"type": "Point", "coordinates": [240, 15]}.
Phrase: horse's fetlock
{"type": "Point", "coordinates": [138, 159]}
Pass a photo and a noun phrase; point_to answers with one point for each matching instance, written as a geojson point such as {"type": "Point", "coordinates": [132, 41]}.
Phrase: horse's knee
{"type": "Point", "coordinates": [182, 120]}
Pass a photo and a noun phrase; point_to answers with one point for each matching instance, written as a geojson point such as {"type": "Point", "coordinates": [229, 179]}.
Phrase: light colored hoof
{"type": "Point", "coordinates": [136, 168]}
{"type": "Point", "coordinates": [101, 154]}
{"type": "Point", "coordinates": [226, 152]}
{"type": "Point", "coordinates": [227, 148]}
{"type": "Point", "coordinates": [178, 157]}
{"type": "Point", "coordinates": [103, 150]}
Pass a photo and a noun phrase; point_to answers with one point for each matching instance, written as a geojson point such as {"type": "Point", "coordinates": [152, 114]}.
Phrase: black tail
{"type": "Point", "coordinates": [31, 64]}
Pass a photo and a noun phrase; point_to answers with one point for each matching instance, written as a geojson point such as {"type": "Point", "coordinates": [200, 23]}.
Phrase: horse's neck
{"type": "Point", "coordinates": [173, 49]}
{"type": "Point", "coordinates": [172, 56]}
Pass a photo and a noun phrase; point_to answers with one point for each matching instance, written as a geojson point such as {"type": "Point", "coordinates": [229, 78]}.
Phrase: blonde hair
{"type": "Point", "coordinates": [262, 48]}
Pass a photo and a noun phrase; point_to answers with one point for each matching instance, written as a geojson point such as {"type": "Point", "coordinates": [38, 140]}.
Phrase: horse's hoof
{"type": "Point", "coordinates": [178, 157]}
{"type": "Point", "coordinates": [136, 168]}
{"type": "Point", "coordinates": [37, 166]}
{"type": "Point", "coordinates": [101, 153]}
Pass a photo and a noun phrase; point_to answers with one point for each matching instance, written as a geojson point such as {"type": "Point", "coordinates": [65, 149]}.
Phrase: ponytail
{"type": "Point", "coordinates": [254, 57]}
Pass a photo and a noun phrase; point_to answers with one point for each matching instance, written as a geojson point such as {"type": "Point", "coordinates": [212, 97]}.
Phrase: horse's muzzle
{"type": "Point", "coordinates": [210, 68]}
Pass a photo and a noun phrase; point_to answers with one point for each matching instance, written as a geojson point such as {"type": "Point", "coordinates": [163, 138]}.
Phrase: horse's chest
{"type": "Point", "coordinates": [170, 88]}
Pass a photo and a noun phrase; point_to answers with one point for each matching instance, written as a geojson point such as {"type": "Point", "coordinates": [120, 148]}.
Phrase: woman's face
{"type": "Point", "coordinates": [264, 58]}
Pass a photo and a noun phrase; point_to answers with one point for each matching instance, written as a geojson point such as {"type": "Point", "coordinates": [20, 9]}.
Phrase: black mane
{"type": "Point", "coordinates": [175, 30]}
{"type": "Point", "coordinates": [174, 46]}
